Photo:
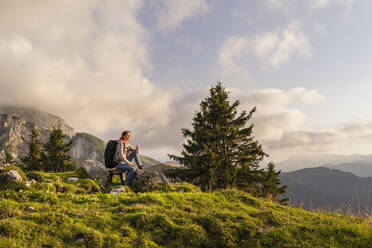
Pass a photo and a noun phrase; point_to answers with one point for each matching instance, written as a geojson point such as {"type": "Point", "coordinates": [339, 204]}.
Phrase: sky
{"type": "Point", "coordinates": [106, 66]}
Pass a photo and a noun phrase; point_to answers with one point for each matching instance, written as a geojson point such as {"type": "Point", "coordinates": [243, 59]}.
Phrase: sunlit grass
{"type": "Point", "coordinates": [177, 215]}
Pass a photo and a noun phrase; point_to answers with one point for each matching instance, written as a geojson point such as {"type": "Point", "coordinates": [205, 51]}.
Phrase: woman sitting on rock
{"type": "Point", "coordinates": [125, 154]}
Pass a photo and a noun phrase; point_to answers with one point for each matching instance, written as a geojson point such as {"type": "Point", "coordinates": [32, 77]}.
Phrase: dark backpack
{"type": "Point", "coordinates": [110, 153]}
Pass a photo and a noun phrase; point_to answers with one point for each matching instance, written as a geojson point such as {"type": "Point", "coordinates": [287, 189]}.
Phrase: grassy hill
{"type": "Point", "coordinates": [83, 214]}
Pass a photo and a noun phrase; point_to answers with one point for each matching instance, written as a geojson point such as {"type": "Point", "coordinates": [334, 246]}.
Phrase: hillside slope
{"type": "Point", "coordinates": [328, 189]}
{"type": "Point", "coordinates": [80, 214]}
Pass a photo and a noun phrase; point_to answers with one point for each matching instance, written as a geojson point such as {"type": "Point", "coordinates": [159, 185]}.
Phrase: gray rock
{"type": "Point", "coordinates": [32, 209]}
{"type": "Point", "coordinates": [80, 241]}
{"type": "Point", "coordinates": [146, 180]}
{"type": "Point", "coordinates": [72, 179]}
{"type": "Point", "coordinates": [153, 175]}
{"type": "Point", "coordinates": [10, 176]}
{"type": "Point", "coordinates": [95, 170]}
{"type": "Point", "coordinates": [28, 183]}
{"type": "Point", "coordinates": [118, 190]}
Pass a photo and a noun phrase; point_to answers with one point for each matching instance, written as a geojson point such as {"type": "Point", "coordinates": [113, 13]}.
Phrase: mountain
{"type": "Point", "coordinates": [325, 188]}
{"type": "Point", "coordinates": [161, 167]}
{"type": "Point", "coordinates": [15, 129]}
{"type": "Point", "coordinates": [42, 119]}
{"type": "Point", "coordinates": [359, 169]}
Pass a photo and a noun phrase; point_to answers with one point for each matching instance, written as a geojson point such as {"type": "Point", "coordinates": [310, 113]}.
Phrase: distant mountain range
{"type": "Point", "coordinates": [330, 189]}
{"type": "Point", "coordinates": [15, 129]}
{"type": "Point", "coordinates": [359, 169]}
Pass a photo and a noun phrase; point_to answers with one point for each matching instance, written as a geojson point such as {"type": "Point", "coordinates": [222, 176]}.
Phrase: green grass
{"type": "Point", "coordinates": [178, 215]}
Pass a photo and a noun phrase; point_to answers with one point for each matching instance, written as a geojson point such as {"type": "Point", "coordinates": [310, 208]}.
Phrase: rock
{"type": "Point", "coordinates": [28, 183]}
{"type": "Point", "coordinates": [79, 215]}
{"type": "Point", "coordinates": [145, 180]}
{"type": "Point", "coordinates": [95, 170]}
{"type": "Point", "coordinates": [10, 176]}
{"type": "Point", "coordinates": [80, 241]}
{"type": "Point", "coordinates": [72, 179]}
{"type": "Point", "coordinates": [118, 190]}
{"type": "Point", "coordinates": [32, 209]}
{"type": "Point", "coordinates": [157, 177]}
{"type": "Point", "coordinates": [86, 146]}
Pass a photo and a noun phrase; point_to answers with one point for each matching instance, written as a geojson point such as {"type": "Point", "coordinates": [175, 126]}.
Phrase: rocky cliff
{"type": "Point", "coordinates": [42, 119]}
{"type": "Point", "coordinates": [15, 129]}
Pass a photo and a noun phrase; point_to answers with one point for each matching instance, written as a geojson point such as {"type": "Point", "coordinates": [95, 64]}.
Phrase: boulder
{"type": "Point", "coordinates": [31, 209]}
{"type": "Point", "coordinates": [146, 180]}
{"type": "Point", "coordinates": [10, 176]}
{"type": "Point", "coordinates": [29, 183]}
{"type": "Point", "coordinates": [72, 179]}
{"type": "Point", "coordinates": [80, 241]}
{"type": "Point", "coordinates": [118, 190]}
{"type": "Point", "coordinates": [95, 170]}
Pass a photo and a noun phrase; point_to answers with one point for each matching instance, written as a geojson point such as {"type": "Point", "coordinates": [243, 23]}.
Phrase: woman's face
{"type": "Point", "coordinates": [127, 136]}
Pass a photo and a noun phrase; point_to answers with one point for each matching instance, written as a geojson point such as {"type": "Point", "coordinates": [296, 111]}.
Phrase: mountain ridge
{"type": "Point", "coordinates": [325, 188]}
{"type": "Point", "coordinates": [15, 129]}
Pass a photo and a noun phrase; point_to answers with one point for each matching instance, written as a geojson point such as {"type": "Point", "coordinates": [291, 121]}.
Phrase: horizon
{"type": "Point", "coordinates": [146, 65]}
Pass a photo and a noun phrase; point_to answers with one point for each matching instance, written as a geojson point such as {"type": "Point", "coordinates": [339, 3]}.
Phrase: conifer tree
{"type": "Point", "coordinates": [9, 159]}
{"type": "Point", "coordinates": [56, 156]}
{"type": "Point", "coordinates": [220, 150]}
{"type": "Point", "coordinates": [271, 185]}
{"type": "Point", "coordinates": [33, 159]}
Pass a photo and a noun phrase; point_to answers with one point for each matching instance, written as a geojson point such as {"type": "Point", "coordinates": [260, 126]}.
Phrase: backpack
{"type": "Point", "coordinates": [110, 154]}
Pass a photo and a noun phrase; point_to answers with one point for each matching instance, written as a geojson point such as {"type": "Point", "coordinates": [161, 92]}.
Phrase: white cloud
{"type": "Point", "coordinates": [271, 48]}
{"type": "Point", "coordinates": [318, 4]}
{"type": "Point", "coordinates": [279, 4]}
{"type": "Point", "coordinates": [173, 12]}
{"type": "Point", "coordinates": [292, 41]}
{"type": "Point", "coordinates": [265, 44]}
{"type": "Point", "coordinates": [349, 138]}
{"type": "Point", "coordinates": [231, 57]}
{"type": "Point", "coordinates": [287, 5]}
{"type": "Point", "coordinates": [277, 110]}
{"type": "Point", "coordinates": [83, 61]}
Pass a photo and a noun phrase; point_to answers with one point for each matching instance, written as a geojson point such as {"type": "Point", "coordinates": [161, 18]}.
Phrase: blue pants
{"type": "Point", "coordinates": [126, 167]}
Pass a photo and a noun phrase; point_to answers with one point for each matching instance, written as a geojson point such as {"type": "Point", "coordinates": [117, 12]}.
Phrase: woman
{"type": "Point", "coordinates": [125, 154]}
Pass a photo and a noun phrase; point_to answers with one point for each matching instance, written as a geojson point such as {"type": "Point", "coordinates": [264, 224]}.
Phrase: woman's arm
{"type": "Point", "coordinates": [121, 153]}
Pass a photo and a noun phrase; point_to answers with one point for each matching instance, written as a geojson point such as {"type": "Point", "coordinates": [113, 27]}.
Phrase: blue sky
{"type": "Point", "coordinates": [338, 33]}
{"type": "Point", "coordinates": [106, 66]}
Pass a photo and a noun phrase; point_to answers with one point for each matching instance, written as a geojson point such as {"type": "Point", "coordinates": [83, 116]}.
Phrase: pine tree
{"type": "Point", "coordinates": [271, 185]}
{"type": "Point", "coordinates": [34, 159]}
{"type": "Point", "coordinates": [220, 151]}
{"type": "Point", "coordinates": [56, 156]}
{"type": "Point", "coordinates": [9, 159]}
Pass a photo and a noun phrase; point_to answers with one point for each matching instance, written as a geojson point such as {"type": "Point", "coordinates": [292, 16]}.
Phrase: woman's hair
{"type": "Point", "coordinates": [124, 133]}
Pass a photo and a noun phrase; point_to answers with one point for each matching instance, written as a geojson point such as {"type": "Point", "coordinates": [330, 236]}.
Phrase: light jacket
{"type": "Point", "coordinates": [120, 152]}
